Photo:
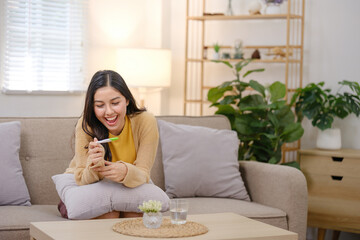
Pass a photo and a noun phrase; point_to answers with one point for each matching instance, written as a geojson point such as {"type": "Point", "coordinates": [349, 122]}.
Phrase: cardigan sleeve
{"type": "Point", "coordinates": [80, 165]}
{"type": "Point", "coordinates": [146, 138]}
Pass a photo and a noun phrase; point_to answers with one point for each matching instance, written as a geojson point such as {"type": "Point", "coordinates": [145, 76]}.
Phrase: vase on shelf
{"type": "Point", "coordinates": [152, 219]}
{"type": "Point", "coordinates": [229, 11]}
{"type": "Point", "coordinates": [272, 8]}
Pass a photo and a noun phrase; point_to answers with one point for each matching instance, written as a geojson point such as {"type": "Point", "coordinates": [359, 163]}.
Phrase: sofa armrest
{"type": "Point", "coordinates": [280, 187]}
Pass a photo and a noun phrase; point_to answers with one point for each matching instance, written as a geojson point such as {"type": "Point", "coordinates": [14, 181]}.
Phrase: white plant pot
{"type": "Point", "coordinates": [216, 56]}
{"type": "Point", "coordinates": [329, 139]}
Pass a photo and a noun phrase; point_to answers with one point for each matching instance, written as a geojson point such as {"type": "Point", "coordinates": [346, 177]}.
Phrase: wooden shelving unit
{"type": "Point", "coordinates": [197, 57]}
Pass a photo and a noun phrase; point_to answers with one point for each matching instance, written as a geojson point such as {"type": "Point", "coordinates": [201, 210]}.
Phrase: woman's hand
{"type": "Point", "coordinates": [114, 171]}
{"type": "Point", "coordinates": [96, 153]}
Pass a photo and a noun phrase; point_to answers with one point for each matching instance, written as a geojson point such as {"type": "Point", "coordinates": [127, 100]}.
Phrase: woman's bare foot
{"type": "Point", "coordinates": [113, 214]}
{"type": "Point", "coordinates": [130, 214]}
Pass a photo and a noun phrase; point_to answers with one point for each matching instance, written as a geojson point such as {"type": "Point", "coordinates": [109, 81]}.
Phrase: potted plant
{"type": "Point", "coordinates": [152, 217]}
{"type": "Point", "coordinates": [321, 107]}
{"type": "Point", "coordinates": [261, 117]}
{"type": "Point", "coordinates": [217, 51]}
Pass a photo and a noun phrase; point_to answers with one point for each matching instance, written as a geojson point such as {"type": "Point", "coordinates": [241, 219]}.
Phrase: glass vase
{"type": "Point", "coordinates": [152, 220]}
{"type": "Point", "coordinates": [229, 11]}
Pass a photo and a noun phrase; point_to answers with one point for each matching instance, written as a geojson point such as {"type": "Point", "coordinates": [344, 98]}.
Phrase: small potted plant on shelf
{"type": "Point", "coordinates": [321, 107]}
{"type": "Point", "coordinates": [216, 55]}
{"type": "Point", "coordinates": [259, 114]}
{"type": "Point", "coordinates": [152, 217]}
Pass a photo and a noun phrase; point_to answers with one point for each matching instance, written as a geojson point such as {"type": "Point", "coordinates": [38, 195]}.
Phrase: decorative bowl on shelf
{"type": "Point", "coordinates": [273, 6]}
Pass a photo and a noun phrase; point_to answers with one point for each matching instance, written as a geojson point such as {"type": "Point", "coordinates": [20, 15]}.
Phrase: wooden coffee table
{"type": "Point", "coordinates": [221, 226]}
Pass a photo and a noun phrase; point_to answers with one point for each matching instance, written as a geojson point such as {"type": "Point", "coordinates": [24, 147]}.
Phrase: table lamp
{"type": "Point", "coordinates": [145, 69]}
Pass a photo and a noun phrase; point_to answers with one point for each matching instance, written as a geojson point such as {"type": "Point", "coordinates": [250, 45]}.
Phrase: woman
{"type": "Point", "coordinates": [110, 111]}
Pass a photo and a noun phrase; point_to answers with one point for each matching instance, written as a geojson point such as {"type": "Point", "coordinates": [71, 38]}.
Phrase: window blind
{"type": "Point", "coordinates": [43, 46]}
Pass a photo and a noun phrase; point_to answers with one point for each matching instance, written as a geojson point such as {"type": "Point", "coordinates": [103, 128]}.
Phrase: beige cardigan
{"type": "Point", "coordinates": [146, 136]}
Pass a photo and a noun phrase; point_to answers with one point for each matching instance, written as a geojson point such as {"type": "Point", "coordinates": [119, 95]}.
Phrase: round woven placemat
{"type": "Point", "coordinates": [135, 227]}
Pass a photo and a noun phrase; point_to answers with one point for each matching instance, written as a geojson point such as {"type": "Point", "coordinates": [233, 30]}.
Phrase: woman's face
{"type": "Point", "coordinates": [110, 108]}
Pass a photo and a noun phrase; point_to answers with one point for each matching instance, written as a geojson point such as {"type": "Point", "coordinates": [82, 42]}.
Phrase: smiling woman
{"type": "Point", "coordinates": [110, 111]}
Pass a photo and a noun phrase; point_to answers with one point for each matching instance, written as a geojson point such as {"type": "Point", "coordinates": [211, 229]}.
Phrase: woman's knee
{"type": "Point", "coordinates": [130, 214]}
{"type": "Point", "coordinates": [114, 214]}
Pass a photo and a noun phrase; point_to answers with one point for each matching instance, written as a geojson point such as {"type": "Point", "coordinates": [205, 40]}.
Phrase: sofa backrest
{"type": "Point", "coordinates": [47, 147]}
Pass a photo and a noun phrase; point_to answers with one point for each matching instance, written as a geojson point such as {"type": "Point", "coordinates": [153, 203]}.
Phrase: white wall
{"type": "Point", "coordinates": [332, 54]}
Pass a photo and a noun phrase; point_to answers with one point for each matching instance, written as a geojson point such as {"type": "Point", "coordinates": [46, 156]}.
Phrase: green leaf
{"type": "Point", "coordinates": [253, 102]}
{"type": "Point", "coordinates": [292, 132]}
{"type": "Point", "coordinates": [228, 100]}
{"type": "Point", "coordinates": [224, 62]}
{"type": "Point", "coordinates": [226, 84]}
{"type": "Point", "coordinates": [354, 86]}
{"type": "Point", "coordinates": [285, 116]}
{"type": "Point", "coordinates": [241, 64]}
{"type": "Point", "coordinates": [273, 119]}
{"type": "Point", "coordinates": [340, 108]}
{"type": "Point", "coordinates": [270, 136]}
{"type": "Point", "coordinates": [215, 94]}
{"type": "Point", "coordinates": [273, 160]}
{"type": "Point", "coordinates": [257, 87]}
{"type": "Point", "coordinates": [241, 86]}
{"type": "Point", "coordinates": [229, 112]}
{"type": "Point", "coordinates": [292, 164]}
{"type": "Point", "coordinates": [323, 121]}
{"type": "Point", "coordinates": [254, 70]}
{"type": "Point", "coordinates": [226, 110]}
{"type": "Point", "coordinates": [277, 91]}
{"type": "Point", "coordinates": [245, 124]}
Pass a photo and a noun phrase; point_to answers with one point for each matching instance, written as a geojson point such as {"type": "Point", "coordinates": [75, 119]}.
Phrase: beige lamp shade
{"type": "Point", "coordinates": [145, 68]}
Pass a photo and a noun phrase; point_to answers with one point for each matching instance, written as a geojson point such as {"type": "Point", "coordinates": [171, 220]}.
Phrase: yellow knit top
{"type": "Point", "coordinates": [145, 137]}
{"type": "Point", "coordinates": [123, 149]}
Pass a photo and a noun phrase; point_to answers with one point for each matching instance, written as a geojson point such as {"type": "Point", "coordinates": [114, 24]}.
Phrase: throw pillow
{"type": "Point", "coordinates": [200, 162]}
{"type": "Point", "coordinates": [92, 200]}
{"type": "Point", "coordinates": [13, 188]}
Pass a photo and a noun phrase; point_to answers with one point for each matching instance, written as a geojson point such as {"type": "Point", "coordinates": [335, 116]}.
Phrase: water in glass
{"type": "Point", "coordinates": [178, 211]}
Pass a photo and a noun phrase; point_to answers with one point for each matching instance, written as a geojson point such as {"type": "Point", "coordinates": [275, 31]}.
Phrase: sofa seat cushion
{"type": "Point", "coordinates": [19, 217]}
{"type": "Point", "coordinates": [256, 211]}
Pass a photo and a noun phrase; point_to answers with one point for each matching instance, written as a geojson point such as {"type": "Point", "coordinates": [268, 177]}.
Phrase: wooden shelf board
{"type": "Point", "coordinates": [254, 61]}
{"type": "Point", "coordinates": [258, 46]}
{"type": "Point", "coordinates": [193, 101]}
{"type": "Point", "coordinates": [250, 89]}
{"type": "Point", "coordinates": [244, 17]}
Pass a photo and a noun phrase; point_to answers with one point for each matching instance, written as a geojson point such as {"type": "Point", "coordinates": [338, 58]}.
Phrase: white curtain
{"type": "Point", "coordinates": [43, 46]}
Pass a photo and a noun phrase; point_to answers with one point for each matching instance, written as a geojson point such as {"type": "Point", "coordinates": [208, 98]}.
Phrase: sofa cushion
{"type": "Point", "coordinates": [200, 162]}
{"type": "Point", "coordinates": [13, 188]}
{"type": "Point", "coordinates": [19, 217]}
{"type": "Point", "coordinates": [92, 200]}
{"type": "Point", "coordinates": [262, 213]}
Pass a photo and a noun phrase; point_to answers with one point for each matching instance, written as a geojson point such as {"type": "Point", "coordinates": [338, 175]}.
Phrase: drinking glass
{"type": "Point", "coordinates": [178, 211]}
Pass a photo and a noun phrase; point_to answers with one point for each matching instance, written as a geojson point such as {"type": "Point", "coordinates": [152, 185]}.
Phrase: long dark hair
{"type": "Point", "coordinates": [90, 124]}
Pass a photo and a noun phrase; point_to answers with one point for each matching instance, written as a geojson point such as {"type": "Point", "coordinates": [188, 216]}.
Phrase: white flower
{"type": "Point", "coordinates": [150, 206]}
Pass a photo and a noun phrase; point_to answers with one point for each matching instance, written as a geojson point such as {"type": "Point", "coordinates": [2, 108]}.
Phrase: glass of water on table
{"type": "Point", "coordinates": [178, 211]}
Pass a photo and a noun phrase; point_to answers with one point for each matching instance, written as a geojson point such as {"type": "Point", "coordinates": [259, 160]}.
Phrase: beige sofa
{"type": "Point", "coordinates": [278, 193]}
